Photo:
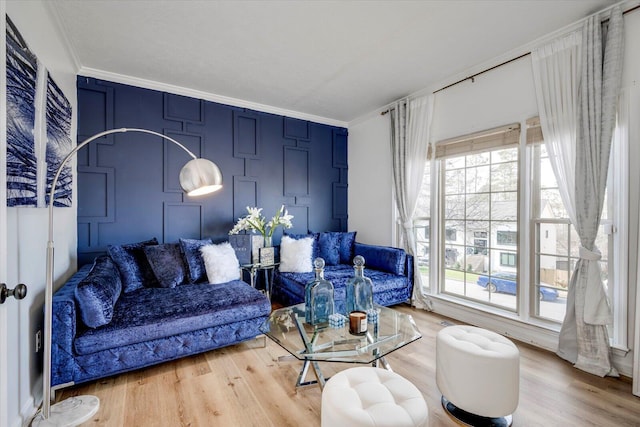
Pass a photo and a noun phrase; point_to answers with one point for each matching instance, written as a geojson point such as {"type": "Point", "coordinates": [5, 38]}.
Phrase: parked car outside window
{"type": "Point", "coordinates": [506, 283]}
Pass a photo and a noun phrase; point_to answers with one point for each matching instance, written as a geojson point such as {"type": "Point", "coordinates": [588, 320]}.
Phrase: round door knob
{"type": "Point", "coordinates": [18, 292]}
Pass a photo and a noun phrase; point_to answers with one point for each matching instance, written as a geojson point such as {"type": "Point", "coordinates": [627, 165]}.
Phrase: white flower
{"type": "Point", "coordinates": [255, 221]}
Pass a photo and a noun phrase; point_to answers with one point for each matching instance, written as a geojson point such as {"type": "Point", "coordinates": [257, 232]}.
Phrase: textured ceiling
{"type": "Point", "coordinates": [337, 60]}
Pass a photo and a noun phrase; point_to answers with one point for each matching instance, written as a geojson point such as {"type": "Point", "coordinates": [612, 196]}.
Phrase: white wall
{"type": "Point", "coordinates": [27, 235]}
{"type": "Point", "coordinates": [501, 96]}
{"type": "Point", "coordinates": [370, 188]}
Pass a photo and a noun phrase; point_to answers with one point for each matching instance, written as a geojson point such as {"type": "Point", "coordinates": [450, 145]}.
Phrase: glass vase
{"type": "Point", "coordinates": [359, 288]}
{"type": "Point", "coordinates": [318, 297]}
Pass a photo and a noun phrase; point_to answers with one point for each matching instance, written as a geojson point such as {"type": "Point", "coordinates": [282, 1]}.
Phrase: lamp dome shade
{"type": "Point", "coordinates": [200, 176]}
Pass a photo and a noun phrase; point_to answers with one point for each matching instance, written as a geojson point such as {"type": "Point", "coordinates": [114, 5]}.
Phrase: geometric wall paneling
{"type": "Point", "coordinates": [266, 159]}
{"type": "Point", "coordinates": [344, 175]}
{"type": "Point", "coordinates": [183, 108]}
{"type": "Point", "coordinates": [97, 112]}
{"type": "Point", "coordinates": [84, 234]}
{"type": "Point", "coordinates": [296, 171]}
{"type": "Point", "coordinates": [245, 193]}
{"type": "Point", "coordinates": [246, 135]}
{"type": "Point", "coordinates": [303, 201]}
{"type": "Point", "coordinates": [300, 219]}
{"type": "Point", "coordinates": [174, 157]}
{"type": "Point", "coordinates": [96, 194]}
{"type": "Point", "coordinates": [97, 99]}
{"type": "Point", "coordinates": [181, 220]}
{"type": "Point", "coordinates": [339, 149]}
{"type": "Point", "coordinates": [296, 128]}
{"type": "Point", "coordinates": [340, 210]}
{"type": "Point", "coordinates": [96, 205]}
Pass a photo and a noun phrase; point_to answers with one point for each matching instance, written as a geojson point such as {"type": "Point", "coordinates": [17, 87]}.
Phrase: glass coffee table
{"type": "Point", "coordinates": [322, 343]}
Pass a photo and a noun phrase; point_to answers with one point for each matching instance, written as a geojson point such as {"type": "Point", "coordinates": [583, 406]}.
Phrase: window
{"type": "Point", "coordinates": [507, 238]}
{"type": "Point", "coordinates": [556, 240]}
{"type": "Point", "coordinates": [422, 224]}
{"type": "Point", "coordinates": [479, 197]}
{"type": "Point", "coordinates": [482, 181]}
{"type": "Point", "coordinates": [507, 259]}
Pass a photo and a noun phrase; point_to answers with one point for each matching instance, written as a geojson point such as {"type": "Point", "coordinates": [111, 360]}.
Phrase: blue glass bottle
{"type": "Point", "coordinates": [318, 297]}
{"type": "Point", "coordinates": [359, 288]}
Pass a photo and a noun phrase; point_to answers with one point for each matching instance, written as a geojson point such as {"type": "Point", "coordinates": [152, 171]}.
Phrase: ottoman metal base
{"type": "Point", "coordinates": [468, 419]}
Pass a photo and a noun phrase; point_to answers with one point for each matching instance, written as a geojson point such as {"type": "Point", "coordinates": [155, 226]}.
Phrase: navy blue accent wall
{"type": "Point", "coordinates": [128, 187]}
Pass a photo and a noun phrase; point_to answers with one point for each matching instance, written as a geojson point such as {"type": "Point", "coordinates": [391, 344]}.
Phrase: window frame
{"type": "Point", "coordinates": [503, 137]}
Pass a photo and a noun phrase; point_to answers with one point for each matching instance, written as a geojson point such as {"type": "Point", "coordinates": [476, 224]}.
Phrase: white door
{"type": "Point", "coordinates": [9, 338]}
{"type": "Point", "coordinates": [4, 342]}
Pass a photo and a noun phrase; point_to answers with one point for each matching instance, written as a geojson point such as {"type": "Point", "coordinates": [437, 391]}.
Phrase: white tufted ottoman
{"type": "Point", "coordinates": [372, 397]}
{"type": "Point", "coordinates": [478, 374]}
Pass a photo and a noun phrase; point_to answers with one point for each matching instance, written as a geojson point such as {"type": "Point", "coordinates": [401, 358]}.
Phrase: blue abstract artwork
{"type": "Point", "coordinates": [59, 144]}
{"type": "Point", "coordinates": [22, 170]}
{"type": "Point", "coordinates": [38, 129]}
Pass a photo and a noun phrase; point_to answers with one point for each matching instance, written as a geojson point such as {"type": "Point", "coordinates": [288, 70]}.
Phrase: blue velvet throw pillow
{"type": "Point", "coordinates": [193, 258]}
{"type": "Point", "coordinates": [382, 258]}
{"type": "Point", "coordinates": [98, 292]}
{"type": "Point", "coordinates": [347, 243]}
{"type": "Point", "coordinates": [166, 263]}
{"type": "Point", "coordinates": [329, 247]}
{"type": "Point", "coordinates": [132, 263]}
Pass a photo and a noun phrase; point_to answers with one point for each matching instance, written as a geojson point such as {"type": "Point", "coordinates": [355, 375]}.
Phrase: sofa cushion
{"type": "Point", "coordinates": [193, 258]}
{"type": "Point", "coordinates": [329, 247]}
{"type": "Point", "coordinates": [98, 292]}
{"type": "Point", "coordinates": [132, 263]}
{"type": "Point", "coordinates": [149, 314]}
{"type": "Point", "coordinates": [220, 262]}
{"type": "Point", "coordinates": [167, 264]}
{"type": "Point", "coordinates": [295, 255]}
{"type": "Point", "coordinates": [383, 258]}
{"type": "Point", "coordinates": [347, 244]}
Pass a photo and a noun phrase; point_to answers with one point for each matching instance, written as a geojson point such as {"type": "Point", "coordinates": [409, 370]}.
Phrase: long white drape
{"type": "Point", "coordinates": [577, 96]}
{"type": "Point", "coordinates": [410, 127]}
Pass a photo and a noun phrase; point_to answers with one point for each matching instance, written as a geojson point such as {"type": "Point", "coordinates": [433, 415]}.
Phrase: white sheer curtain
{"type": "Point", "coordinates": [577, 95]}
{"type": "Point", "coordinates": [410, 127]}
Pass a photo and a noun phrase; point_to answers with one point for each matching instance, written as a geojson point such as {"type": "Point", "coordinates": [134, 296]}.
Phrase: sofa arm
{"type": "Point", "coordinates": [63, 328]}
{"type": "Point", "coordinates": [383, 258]}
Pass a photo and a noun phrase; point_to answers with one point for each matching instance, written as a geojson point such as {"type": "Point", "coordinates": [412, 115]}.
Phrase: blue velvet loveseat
{"type": "Point", "coordinates": [118, 314]}
{"type": "Point", "coordinates": [390, 269]}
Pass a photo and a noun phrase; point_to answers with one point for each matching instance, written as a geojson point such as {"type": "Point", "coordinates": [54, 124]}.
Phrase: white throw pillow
{"type": "Point", "coordinates": [295, 255]}
{"type": "Point", "coordinates": [221, 263]}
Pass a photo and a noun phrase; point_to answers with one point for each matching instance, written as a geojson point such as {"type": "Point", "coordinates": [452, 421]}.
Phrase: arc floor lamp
{"type": "Point", "coordinates": [197, 177]}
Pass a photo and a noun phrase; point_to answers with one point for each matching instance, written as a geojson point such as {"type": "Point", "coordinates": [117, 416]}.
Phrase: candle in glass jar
{"type": "Point", "coordinates": [357, 322]}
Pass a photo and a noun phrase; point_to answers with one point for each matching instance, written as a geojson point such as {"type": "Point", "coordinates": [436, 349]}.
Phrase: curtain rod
{"type": "Point", "coordinates": [473, 76]}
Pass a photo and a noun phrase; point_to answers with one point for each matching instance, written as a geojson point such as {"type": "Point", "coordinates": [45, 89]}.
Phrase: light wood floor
{"type": "Point", "coordinates": [246, 385]}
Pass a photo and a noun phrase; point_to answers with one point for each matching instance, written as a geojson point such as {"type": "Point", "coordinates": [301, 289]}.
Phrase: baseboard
{"type": "Point", "coordinates": [30, 408]}
{"type": "Point", "coordinates": [27, 413]}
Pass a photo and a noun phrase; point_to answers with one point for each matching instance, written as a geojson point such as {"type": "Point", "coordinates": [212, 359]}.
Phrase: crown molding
{"type": "Point", "coordinates": [193, 93]}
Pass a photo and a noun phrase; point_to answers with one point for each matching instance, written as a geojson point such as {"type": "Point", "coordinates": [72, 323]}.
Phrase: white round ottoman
{"type": "Point", "coordinates": [372, 397]}
{"type": "Point", "coordinates": [478, 374]}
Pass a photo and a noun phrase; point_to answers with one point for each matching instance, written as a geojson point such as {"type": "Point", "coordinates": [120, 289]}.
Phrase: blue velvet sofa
{"type": "Point", "coordinates": [115, 316]}
{"type": "Point", "coordinates": [390, 269]}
